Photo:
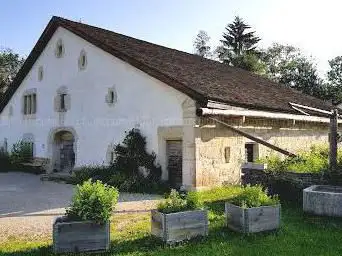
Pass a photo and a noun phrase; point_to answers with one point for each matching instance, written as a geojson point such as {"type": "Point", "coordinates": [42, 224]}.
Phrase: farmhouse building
{"type": "Point", "coordinates": [82, 87]}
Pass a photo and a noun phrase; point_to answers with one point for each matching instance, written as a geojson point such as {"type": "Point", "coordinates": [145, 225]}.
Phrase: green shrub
{"type": "Point", "coordinates": [131, 157]}
{"type": "Point", "coordinates": [315, 160]}
{"type": "Point", "coordinates": [126, 173]}
{"type": "Point", "coordinates": [254, 196]}
{"type": "Point", "coordinates": [94, 172]}
{"type": "Point", "coordinates": [92, 201]}
{"type": "Point", "coordinates": [21, 152]}
{"type": "Point", "coordinates": [175, 202]}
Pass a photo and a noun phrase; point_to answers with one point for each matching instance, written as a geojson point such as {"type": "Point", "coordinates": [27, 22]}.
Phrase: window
{"type": "Point", "coordinates": [40, 73]}
{"type": "Point", "coordinates": [227, 154]}
{"type": "Point", "coordinates": [82, 60]}
{"type": "Point", "coordinates": [251, 152]}
{"type": "Point", "coordinates": [111, 96]}
{"type": "Point", "coordinates": [62, 101]}
{"type": "Point", "coordinates": [30, 104]}
{"type": "Point", "coordinates": [59, 49]}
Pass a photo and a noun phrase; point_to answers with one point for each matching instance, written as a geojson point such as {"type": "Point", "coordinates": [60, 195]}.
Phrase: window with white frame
{"type": "Point", "coordinates": [111, 96]}
{"type": "Point", "coordinates": [62, 100]}
{"type": "Point", "coordinates": [30, 104]}
{"type": "Point", "coordinates": [82, 60]}
{"type": "Point", "coordinates": [40, 73]}
{"type": "Point", "coordinates": [59, 51]}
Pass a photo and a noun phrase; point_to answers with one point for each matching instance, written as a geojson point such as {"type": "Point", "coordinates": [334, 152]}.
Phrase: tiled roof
{"type": "Point", "coordinates": [199, 78]}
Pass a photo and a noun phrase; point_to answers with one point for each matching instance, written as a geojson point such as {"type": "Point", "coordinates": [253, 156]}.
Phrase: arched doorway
{"type": "Point", "coordinates": [63, 151]}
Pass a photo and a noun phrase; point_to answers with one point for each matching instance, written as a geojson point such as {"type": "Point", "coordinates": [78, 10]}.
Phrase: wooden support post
{"type": "Point", "coordinates": [333, 141]}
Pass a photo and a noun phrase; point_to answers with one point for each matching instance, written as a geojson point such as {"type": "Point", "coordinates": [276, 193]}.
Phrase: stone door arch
{"type": "Point", "coordinates": [63, 149]}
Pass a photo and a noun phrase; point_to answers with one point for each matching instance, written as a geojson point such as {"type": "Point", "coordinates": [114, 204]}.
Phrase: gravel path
{"type": "Point", "coordinates": [28, 206]}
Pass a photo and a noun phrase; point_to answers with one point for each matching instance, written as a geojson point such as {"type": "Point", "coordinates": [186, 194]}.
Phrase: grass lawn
{"type": "Point", "coordinates": [298, 235]}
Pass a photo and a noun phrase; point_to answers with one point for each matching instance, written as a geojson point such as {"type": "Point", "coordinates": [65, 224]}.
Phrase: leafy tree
{"type": "Point", "coordinates": [239, 45]}
{"type": "Point", "coordinates": [10, 64]}
{"type": "Point", "coordinates": [335, 73]}
{"type": "Point", "coordinates": [334, 76]}
{"type": "Point", "coordinates": [201, 44]}
{"type": "Point", "coordinates": [287, 65]}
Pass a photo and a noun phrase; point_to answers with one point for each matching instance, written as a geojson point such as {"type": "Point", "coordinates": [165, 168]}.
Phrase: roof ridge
{"type": "Point", "coordinates": [200, 78]}
{"type": "Point", "coordinates": [280, 85]}
{"type": "Point", "coordinates": [133, 38]}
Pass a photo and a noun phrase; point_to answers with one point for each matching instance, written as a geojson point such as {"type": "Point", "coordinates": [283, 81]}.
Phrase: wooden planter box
{"type": "Point", "coordinates": [252, 220]}
{"type": "Point", "coordinates": [179, 226]}
{"type": "Point", "coordinates": [80, 236]}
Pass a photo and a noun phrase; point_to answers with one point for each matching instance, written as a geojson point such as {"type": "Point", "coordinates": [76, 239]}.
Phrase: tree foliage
{"type": "Point", "coordinates": [334, 76]}
{"type": "Point", "coordinates": [201, 44]}
{"type": "Point", "coordinates": [10, 64]}
{"type": "Point", "coordinates": [237, 40]}
{"type": "Point", "coordinates": [288, 65]}
{"type": "Point", "coordinates": [239, 46]}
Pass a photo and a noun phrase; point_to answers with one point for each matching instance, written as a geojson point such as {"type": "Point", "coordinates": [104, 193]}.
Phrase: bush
{"type": "Point", "coordinates": [94, 172]}
{"type": "Point", "coordinates": [92, 201]}
{"type": "Point", "coordinates": [254, 196]}
{"type": "Point", "coordinates": [21, 152]}
{"type": "Point", "coordinates": [131, 158]}
{"type": "Point", "coordinates": [120, 180]}
{"type": "Point", "coordinates": [315, 160]}
{"type": "Point", "coordinates": [133, 169]}
{"type": "Point", "coordinates": [175, 202]}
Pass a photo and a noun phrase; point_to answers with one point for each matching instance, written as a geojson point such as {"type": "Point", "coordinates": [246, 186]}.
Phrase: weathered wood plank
{"type": "Point", "coordinates": [80, 236]}
{"type": "Point", "coordinates": [176, 227]}
{"type": "Point", "coordinates": [251, 220]}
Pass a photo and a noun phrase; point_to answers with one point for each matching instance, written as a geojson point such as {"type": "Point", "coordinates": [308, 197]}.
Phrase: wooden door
{"type": "Point", "coordinates": [67, 156]}
{"type": "Point", "coordinates": [174, 161]}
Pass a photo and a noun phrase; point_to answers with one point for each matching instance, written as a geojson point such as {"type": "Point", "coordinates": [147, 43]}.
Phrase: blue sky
{"type": "Point", "coordinates": [175, 23]}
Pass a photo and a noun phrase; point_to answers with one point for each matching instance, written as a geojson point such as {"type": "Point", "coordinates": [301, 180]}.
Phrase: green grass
{"type": "Point", "coordinates": [130, 235]}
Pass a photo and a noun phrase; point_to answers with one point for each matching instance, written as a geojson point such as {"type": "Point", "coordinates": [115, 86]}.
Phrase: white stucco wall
{"type": "Point", "coordinates": [142, 101]}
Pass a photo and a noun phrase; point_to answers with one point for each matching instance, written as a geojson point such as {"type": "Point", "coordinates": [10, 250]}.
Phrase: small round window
{"type": "Point", "coordinates": [59, 48]}
{"type": "Point", "coordinates": [40, 73]}
{"type": "Point", "coordinates": [82, 60]}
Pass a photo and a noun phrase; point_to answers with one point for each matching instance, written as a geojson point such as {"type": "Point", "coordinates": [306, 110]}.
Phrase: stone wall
{"type": "Point", "coordinates": [213, 169]}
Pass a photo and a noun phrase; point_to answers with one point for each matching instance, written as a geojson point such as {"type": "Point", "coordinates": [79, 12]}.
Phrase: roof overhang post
{"type": "Point", "coordinates": [333, 141]}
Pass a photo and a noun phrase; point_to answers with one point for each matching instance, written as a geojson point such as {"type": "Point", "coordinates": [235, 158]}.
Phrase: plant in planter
{"type": "Point", "coordinates": [179, 218]}
{"type": "Point", "coordinates": [85, 227]}
{"type": "Point", "coordinates": [253, 210]}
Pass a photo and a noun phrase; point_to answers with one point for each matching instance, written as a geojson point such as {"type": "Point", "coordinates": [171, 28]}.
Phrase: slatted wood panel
{"type": "Point", "coordinates": [252, 220]}
{"type": "Point", "coordinates": [174, 161]}
{"type": "Point", "coordinates": [80, 237]}
{"type": "Point", "coordinates": [176, 227]}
